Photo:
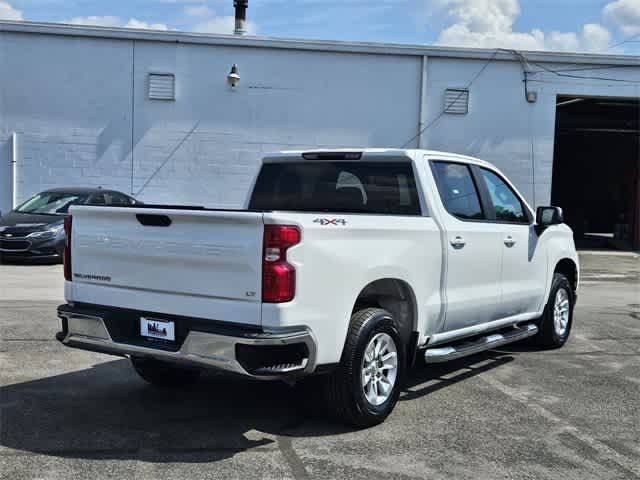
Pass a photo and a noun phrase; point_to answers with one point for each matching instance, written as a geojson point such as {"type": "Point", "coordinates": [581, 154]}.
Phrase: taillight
{"type": "Point", "coordinates": [66, 255]}
{"type": "Point", "coordinates": [278, 276]}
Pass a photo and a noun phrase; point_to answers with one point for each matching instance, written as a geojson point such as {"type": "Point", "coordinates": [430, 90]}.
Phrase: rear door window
{"type": "Point", "coordinates": [341, 186]}
{"type": "Point", "coordinates": [458, 190]}
{"type": "Point", "coordinates": [117, 199]}
{"type": "Point", "coordinates": [98, 199]}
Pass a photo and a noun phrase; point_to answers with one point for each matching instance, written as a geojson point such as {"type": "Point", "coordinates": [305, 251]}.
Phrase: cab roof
{"type": "Point", "coordinates": [79, 190]}
{"type": "Point", "coordinates": [370, 154]}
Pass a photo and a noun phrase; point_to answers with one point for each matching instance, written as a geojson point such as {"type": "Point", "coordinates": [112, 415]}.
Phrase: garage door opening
{"type": "Point", "coordinates": [596, 170]}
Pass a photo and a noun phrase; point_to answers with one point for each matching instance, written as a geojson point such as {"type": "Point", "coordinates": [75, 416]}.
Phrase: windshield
{"type": "Point", "coordinates": [51, 203]}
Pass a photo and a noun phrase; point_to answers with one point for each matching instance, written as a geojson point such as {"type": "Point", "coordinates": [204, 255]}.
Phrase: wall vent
{"type": "Point", "coordinates": [162, 86]}
{"type": "Point", "coordinates": [456, 100]}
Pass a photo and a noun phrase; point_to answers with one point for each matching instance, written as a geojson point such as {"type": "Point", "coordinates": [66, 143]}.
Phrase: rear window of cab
{"type": "Point", "coordinates": [385, 188]}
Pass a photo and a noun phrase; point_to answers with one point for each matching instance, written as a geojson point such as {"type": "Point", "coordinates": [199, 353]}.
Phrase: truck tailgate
{"type": "Point", "coordinates": [185, 262]}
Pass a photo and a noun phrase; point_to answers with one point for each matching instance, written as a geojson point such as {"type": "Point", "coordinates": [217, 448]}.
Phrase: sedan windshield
{"type": "Point", "coordinates": [51, 203]}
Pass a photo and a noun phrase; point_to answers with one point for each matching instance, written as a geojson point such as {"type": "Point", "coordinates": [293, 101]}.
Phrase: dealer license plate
{"type": "Point", "coordinates": [153, 328]}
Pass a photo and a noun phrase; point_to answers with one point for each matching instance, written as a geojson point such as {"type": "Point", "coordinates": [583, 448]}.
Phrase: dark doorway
{"type": "Point", "coordinates": [596, 170]}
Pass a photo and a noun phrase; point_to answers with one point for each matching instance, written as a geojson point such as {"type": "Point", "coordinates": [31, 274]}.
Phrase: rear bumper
{"type": "Point", "coordinates": [273, 354]}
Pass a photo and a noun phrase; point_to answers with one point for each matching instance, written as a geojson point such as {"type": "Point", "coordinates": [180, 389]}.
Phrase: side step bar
{"type": "Point", "coordinates": [463, 349]}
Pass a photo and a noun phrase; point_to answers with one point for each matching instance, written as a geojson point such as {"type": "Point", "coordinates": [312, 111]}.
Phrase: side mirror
{"type": "Point", "coordinates": [547, 216]}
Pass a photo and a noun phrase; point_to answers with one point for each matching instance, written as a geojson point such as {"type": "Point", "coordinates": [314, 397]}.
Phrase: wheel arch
{"type": "Point", "coordinates": [568, 268]}
{"type": "Point", "coordinates": [397, 297]}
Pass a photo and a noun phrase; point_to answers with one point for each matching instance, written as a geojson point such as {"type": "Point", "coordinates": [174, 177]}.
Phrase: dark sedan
{"type": "Point", "coordinates": [34, 230]}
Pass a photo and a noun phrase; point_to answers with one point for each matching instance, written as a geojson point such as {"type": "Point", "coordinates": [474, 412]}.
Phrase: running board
{"type": "Point", "coordinates": [463, 349]}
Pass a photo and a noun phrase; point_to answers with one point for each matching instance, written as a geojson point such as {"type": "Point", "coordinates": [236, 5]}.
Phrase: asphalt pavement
{"type": "Point", "coordinates": [515, 413]}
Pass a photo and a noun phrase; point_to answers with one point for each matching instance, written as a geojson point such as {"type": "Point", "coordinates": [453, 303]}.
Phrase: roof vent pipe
{"type": "Point", "coordinates": [241, 16]}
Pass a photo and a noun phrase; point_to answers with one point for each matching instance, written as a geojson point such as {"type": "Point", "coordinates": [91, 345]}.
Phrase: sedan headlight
{"type": "Point", "coordinates": [50, 233]}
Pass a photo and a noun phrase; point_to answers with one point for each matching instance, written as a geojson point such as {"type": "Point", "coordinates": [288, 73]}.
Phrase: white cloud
{"type": "Point", "coordinates": [101, 21]}
{"type": "Point", "coordinates": [490, 24]}
{"type": "Point", "coordinates": [7, 12]}
{"type": "Point", "coordinates": [112, 21]}
{"type": "Point", "coordinates": [595, 37]}
{"type": "Point", "coordinates": [483, 16]}
{"type": "Point", "coordinates": [198, 11]}
{"type": "Point", "coordinates": [135, 23]}
{"type": "Point", "coordinates": [624, 14]}
{"type": "Point", "coordinates": [204, 20]}
{"type": "Point", "coordinates": [216, 25]}
{"type": "Point", "coordinates": [562, 41]}
{"type": "Point", "coordinates": [208, 22]}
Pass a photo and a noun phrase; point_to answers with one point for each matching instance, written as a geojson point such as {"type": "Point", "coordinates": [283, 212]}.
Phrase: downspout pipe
{"type": "Point", "coordinates": [14, 170]}
{"type": "Point", "coordinates": [241, 16]}
{"type": "Point", "coordinates": [423, 103]}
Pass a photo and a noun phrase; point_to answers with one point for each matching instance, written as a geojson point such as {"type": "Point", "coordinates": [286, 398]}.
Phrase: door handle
{"type": "Point", "coordinates": [458, 242]}
{"type": "Point", "coordinates": [509, 241]}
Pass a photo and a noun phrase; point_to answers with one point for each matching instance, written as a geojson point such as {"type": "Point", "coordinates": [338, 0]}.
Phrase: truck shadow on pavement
{"type": "Point", "coordinates": [107, 412]}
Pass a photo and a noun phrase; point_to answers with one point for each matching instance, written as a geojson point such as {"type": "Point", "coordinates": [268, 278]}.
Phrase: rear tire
{"type": "Point", "coordinates": [163, 374]}
{"type": "Point", "coordinates": [365, 387]}
{"type": "Point", "coordinates": [557, 319]}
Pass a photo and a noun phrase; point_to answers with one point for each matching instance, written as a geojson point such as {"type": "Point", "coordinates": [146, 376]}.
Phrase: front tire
{"type": "Point", "coordinates": [365, 388]}
{"type": "Point", "coordinates": [163, 374]}
{"type": "Point", "coordinates": [557, 319]}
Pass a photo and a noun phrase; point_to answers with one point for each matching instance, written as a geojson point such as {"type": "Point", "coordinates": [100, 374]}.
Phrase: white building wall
{"type": "Point", "coordinates": [549, 87]}
{"type": "Point", "coordinates": [79, 106]}
{"type": "Point", "coordinates": [498, 125]}
{"type": "Point", "coordinates": [501, 126]}
{"type": "Point", "coordinates": [286, 99]}
{"type": "Point", "coordinates": [69, 100]}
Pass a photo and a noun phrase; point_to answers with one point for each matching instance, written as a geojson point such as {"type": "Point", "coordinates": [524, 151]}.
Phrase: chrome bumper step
{"type": "Point", "coordinates": [446, 353]}
{"type": "Point", "coordinates": [200, 349]}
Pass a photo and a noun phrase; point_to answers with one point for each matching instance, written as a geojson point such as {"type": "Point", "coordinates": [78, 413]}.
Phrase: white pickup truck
{"type": "Point", "coordinates": [349, 265]}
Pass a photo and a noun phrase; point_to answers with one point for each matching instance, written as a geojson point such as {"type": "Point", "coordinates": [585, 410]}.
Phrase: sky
{"type": "Point", "coordinates": [603, 26]}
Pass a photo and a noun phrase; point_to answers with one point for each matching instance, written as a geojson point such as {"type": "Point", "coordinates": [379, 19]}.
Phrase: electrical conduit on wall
{"type": "Point", "coordinates": [14, 170]}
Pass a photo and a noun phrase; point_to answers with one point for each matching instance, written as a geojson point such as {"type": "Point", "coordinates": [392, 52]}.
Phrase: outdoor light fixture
{"type": "Point", "coordinates": [234, 76]}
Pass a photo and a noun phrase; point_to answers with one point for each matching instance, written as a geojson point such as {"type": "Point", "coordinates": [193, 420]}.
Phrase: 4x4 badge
{"type": "Point", "coordinates": [330, 221]}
